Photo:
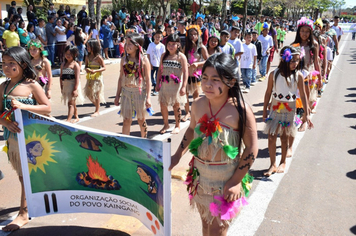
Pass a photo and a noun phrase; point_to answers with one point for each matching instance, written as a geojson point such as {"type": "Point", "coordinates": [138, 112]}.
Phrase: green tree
{"type": "Point", "coordinates": [60, 130]}
{"type": "Point", "coordinates": [111, 141]}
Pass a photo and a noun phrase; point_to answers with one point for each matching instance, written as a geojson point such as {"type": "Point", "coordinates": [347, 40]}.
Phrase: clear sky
{"type": "Point", "coordinates": [350, 3]}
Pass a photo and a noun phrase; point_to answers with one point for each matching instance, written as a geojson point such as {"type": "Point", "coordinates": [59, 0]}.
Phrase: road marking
{"type": "Point", "coordinates": [105, 111]}
{"type": "Point", "coordinates": [161, 137]}
{"type": "Point", "coordinates": [4, 223]}
{"type": "Point", "coordinates": [263, 194]}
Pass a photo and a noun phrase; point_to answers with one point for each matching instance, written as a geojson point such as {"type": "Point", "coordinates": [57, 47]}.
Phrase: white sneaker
{"type": "Point", "coordinates": [253, 83]}
{"type": "Point", "coordinates": [246, 90]}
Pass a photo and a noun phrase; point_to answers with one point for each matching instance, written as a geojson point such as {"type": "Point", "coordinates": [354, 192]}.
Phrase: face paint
{"type": "Point", "coordinates": [220, 90]}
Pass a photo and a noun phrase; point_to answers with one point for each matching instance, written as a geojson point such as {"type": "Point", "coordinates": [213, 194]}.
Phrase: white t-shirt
{"type": "Point", "coordinates": [87, 29]}
{"type": "Point", "coordinates": [338, 30]}
{"type": "Point", "coordinates": [266, 42]}
{"type": "Point", "coordinates": [227, 48]}
{"type": "Point", "coordinates": [237, 45]}
{"type": "Point", "coordinates": [329, 54]}
{"type": "Point", "coordinates": [61, 37]}
{"type": "Point", "coordinates": [247, 57]}
{"type": "Point", "coordinates": [155, 52]}
{"type": "Point", "coordinates": [95, 33]}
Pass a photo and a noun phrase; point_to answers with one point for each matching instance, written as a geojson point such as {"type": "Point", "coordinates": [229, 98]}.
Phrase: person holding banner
{"type": "Point", "coordinates": [23, 92]}
{"type": "Point", "coordinates": [134, 85]}
{"type": "Point", "coordinates": [220, 122]}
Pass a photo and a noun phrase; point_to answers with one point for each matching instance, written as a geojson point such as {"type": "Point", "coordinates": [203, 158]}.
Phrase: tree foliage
{"type": "Point", "coordinates": [60, 130]}
{"type": "Point", "coordinates": [111, 141]}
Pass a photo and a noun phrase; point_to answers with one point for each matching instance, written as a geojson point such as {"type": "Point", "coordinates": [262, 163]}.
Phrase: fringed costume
{"type": "Point", "coordinates": [171, 83]}
{"type": "Point", "coordinates": [12, 147]}
{"type": "Point", "coordinates": [282, 116]}
{"type": "Point", "coordinates": [68, 81]}
{"type": "Point", "coordinates": [94, 88]}
{"type": "Point", "coordinates": [216, 157]}
{"type": "Point", "coordinates": [194, 79]}
{"type": "Point", "coordinates": [133, 94]}
{"type": "Point", "coordinates": [313, 77]}
{"type": "Point", "coordinates": [41, 79]}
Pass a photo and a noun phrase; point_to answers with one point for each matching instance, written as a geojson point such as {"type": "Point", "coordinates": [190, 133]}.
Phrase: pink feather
{"type": "Point", "coordinates": [214, 209]}
{"type": "Point", "coordinates": [315, 73]}
{"type": "Point", "coordinates": [188, 180]}
{"type": "Point", "coordinates": [174, 77]}
{"type": "Point", "coordinates": [302, 52]}
{"type": "Point", "coordinates": [197, 73]}
{"type": "Point", "coordinates": [227, 210]}
{"type": "Point", "coordinates": [192, 59]}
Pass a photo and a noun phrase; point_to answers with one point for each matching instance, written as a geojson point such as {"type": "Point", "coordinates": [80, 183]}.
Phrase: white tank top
{"type": "Point", "coordinates": [282, 91]}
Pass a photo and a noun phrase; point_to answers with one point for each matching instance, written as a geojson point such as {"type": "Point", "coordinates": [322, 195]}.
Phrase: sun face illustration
{"type": "Point", "coordinates": [39, 152]}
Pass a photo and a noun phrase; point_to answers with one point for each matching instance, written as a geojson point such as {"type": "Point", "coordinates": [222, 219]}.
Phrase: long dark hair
{"type": "Point", "coordinates": [77, 37]}
{"type": "Point", "coordinates": [22, 57]}
{"type": "Point", "coordinates": [217, 48]}
{"type": "Point", "coordinates": [284, 68]}
{"type": "Point", "coordinates": [73, 51]}
{"type": "Point", "coordinates": [228, 70]}
{"type": "Point", "coordinates": [138, 41]}
{"type": "Point", "coordinates": [298, 39]}
{"type": "Point", "coordinates": [94, 46]}
{"type": "Point", "coordinates": [171, 38]}
{"type": "Point", "coordinates": [92, 27]}
{"type": "Point", "coordinates": [189, 44]}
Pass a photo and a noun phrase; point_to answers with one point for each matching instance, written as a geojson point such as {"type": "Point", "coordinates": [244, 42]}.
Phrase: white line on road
{"type": "Point", "coordinates": [108, 110]}
{"type": "Point", "coordinates": [168, 134]}
{"type": "Point", "coordinates": [252, 216]}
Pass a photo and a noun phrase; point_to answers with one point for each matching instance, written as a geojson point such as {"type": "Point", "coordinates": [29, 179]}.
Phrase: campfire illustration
{"type": "Point", "coordinates": [96, 177]}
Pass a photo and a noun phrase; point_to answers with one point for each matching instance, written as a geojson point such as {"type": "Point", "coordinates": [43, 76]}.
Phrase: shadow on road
{"type": "Point", "coordinates": [258, 104]}
{"type": "Point", "coordinates": [68, 230]}
{"type": "Point", "coordinates": [351, 88]}
{"type": "Point", "coordinates": [351, 95]}
{"type": "Point", "coordinates": [258, 175]}
{"type": "Point", "coordinates": [352, 151]}
{"type": "Point", "coordinates": [5, 213]}
{"type": "Point", "coordinates": [353, 229]}
{"type": "Point", "coordinates": [352, 115]}
{"type": "Point", "coordinates": [351, 174]}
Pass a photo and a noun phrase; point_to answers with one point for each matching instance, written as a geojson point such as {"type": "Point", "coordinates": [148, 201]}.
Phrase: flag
{"type": "Point", "coordinates": [70, 168]}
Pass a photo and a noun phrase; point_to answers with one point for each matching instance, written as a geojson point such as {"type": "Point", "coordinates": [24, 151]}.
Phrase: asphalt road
{"type": "Point", "coordinates": [314, 197]}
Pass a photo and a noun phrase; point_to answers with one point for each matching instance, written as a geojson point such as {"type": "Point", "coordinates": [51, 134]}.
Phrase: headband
{"type": "Point", "coordinates": [37, 45]}
{"type": "Point", "coordinates": [319, 23]}
{"type": "Point", "coordinates": [196, 27]}
{"type": "Point", "coordinates": [265, 25]}
{"type": "Point", "coordinates": [305, 22]}
{"type": "Point", "coordinates": [288, 55]}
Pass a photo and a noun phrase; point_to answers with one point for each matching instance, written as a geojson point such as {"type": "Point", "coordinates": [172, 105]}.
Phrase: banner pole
{"type": "Point", "coordinates": [167, 189]}
{"type": "Point", "coordinates": [24, 163]}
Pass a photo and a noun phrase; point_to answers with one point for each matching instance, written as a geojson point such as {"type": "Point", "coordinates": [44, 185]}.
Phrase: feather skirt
{"type": "Point", "coordinates": [193, 85]}
{"type": "Point", "coordinates": [282, 118]}
{"type": "Point", "coordinates": [67, 92]}
{"type": "Point", "coordinates": [169, 94]}
{"type": "Point", "coordinates": [211, 179]}
{"type": "Point", "coordinates": [94, 89]}
{"type": "Point", "coordinates": [133, 103]}
{"type": "Point", "coordinates": [14, 154]}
